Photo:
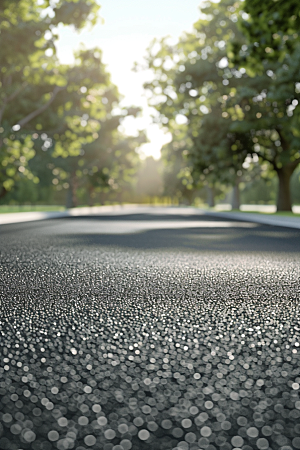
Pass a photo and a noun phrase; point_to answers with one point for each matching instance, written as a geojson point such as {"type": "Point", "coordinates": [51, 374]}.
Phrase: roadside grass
{"type": "Point", "coordinates": [5, 209]}
{"type": "Point", "coordinates": [280, 213]}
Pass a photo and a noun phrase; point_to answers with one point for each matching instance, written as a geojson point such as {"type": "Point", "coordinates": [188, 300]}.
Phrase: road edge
{"type": "Point", "coordinates": [279, 221]}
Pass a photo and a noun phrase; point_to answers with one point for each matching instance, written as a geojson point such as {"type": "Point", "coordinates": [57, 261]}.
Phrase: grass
{"type": "Point", "coordinates": [280, 213]}
{"type": "Point", "coordinates": [5, 209]}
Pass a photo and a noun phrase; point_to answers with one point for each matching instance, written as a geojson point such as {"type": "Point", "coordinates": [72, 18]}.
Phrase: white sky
{"type": "Point", "coordinates": [128, 28]}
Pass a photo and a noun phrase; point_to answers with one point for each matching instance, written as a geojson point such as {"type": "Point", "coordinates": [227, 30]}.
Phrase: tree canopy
{"type": "Point", "coordinates": [231, 117]}
{"type": "Point", "coordinates": [228, 92]}
{"type": "Point", "coordinates": [271, 27]}
{"type": "Point", "coordinates": [60, 116]}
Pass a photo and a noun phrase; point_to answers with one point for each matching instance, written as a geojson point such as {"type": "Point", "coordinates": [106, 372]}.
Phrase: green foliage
{"type": "Point", "coordinates": [177, 176]}
{"type": "Point", "coordinates": [259, 191]}
{"type": "Point", "coordinates": [192, 81]}
{"type": "Point", "coordinates": [34, 87]}
{"type": "Point", "coordinates": [222, 115]}
{"type": "Point", "coordinates": [58, 122]}
{"type": "Point", "coordinates": [108, 164]}
{"type": "Point", "coordinates": [271, 27]}
{"type": "Point", "coordinates": [271, 116]}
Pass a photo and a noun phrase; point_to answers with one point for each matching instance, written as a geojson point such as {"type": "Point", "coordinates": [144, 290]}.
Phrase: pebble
{"type": "Point", "coordinates": [121, 349]}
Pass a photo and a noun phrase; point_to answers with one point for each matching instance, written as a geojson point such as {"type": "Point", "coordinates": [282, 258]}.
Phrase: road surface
{"type": "Point", "coordinates": [160, 331]}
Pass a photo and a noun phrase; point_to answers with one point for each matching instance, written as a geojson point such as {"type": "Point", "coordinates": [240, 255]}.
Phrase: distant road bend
{"type": "Point", "coordinates": [159, 330]}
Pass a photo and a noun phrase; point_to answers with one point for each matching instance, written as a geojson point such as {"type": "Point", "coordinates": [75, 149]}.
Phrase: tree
{"type": "Point", "coordinates": [30, 77]}
{"type": "Point", "coordinates": [271, 28]}
{"type": "Point", "coordinates": [79, 115]}
{"type": "Point", "coordinates": [106, 165]}
{"type": "Point", "coordinates": [230, 113]}
{"type": "Point", "coordinates": [177, 169]}
{"type": "Point", "coordinates": [270, 104]}
{"type": "Point", "coordinates": [192, 81]}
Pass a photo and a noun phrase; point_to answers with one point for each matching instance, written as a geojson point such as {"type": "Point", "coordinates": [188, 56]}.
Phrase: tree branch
{"type": "Point", "coordinates": [42, 108]}
{"type": "Point", "coordinates": [293, 164]}
{"type": "Point", "coordinates": [2, 112]}
{"type": "Point", "coordinates": [7, 80]}
{"type": "Point", "coordinates": [266, 159]}
{"type": "Point", "coordinates": [10, 98]}
{"type": "Point", "coordinates": [16, 93]}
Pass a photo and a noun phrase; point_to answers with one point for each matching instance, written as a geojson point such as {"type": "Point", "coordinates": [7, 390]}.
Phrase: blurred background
{"type": "Point", "coordinates": [111, 102]}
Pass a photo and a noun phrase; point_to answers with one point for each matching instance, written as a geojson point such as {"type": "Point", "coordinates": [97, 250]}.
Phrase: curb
{"type": "Point", "coordinates": [10, 218]}
{"type": "Point", "coordinates": [20, 217]}
{"type": "Point", "coordinates": [276, 221]}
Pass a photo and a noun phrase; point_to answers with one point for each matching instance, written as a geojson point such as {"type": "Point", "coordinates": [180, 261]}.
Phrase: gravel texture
{"type": "Point", "coordinates": [160, 339]}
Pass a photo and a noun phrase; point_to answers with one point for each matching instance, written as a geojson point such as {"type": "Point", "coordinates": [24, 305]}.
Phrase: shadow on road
{"type": "Point", "coordinates": [233, 240]}
{"type": "Point", "coordinates": [157, 232]}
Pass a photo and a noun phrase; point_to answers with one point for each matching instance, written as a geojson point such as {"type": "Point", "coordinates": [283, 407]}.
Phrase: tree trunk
{"type": "Point", "coordinates": [188, 195]}
{"type": "Point", "coordinates": [235, 203]}
{"type": "Point", "coordinates": [284, 193]}
{"type": "Point", "coordinates": [90, 196]}
{"type": "Point", "coordinates": [210, 196]}
{"type": "Point", "coordinates": [3, 192]}
{"type": "Point", "coordinates": [71, 201]}
{"type": "Point", "coordinates": [102, 198]}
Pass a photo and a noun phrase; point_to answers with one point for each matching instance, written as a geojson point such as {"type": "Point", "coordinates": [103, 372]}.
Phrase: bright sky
{"type": "Point", "coordinates": [128, 28]}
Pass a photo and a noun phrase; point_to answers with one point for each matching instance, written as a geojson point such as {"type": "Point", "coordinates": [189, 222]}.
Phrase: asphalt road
{"type": "Point", "coordinates": [159, 331]}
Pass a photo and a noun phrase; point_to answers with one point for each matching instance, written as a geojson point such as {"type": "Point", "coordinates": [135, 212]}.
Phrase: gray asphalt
{"type": "Point", "coordinates": [158, 331]}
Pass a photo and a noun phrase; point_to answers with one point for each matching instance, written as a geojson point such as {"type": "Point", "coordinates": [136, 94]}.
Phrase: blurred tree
{"type": "Point", "coordinates": [268, 117]}
{"type": "Point", "coordinates": [259, 191]}
{"type": "Point", "coordinates": [108, 164]}
{"type": "Point", "coordinates": [271, 27]}
{"type": "Point", "coordinates": [177, 170]}
{"type": "Point", "coordinates": [269, 105]}
{"type": "Point", "coordinates": [295, 186]}
{"type": "Point", "coordinates": [149, 182]}
{"type": "Point", "coordinates": [78, 116]}
{"type": "Point", "coordinates": [30, 77]}
{"type": "Point", "coordinates": [191, 83]}
{"type": "Point", "coordinates": [229, 114]}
